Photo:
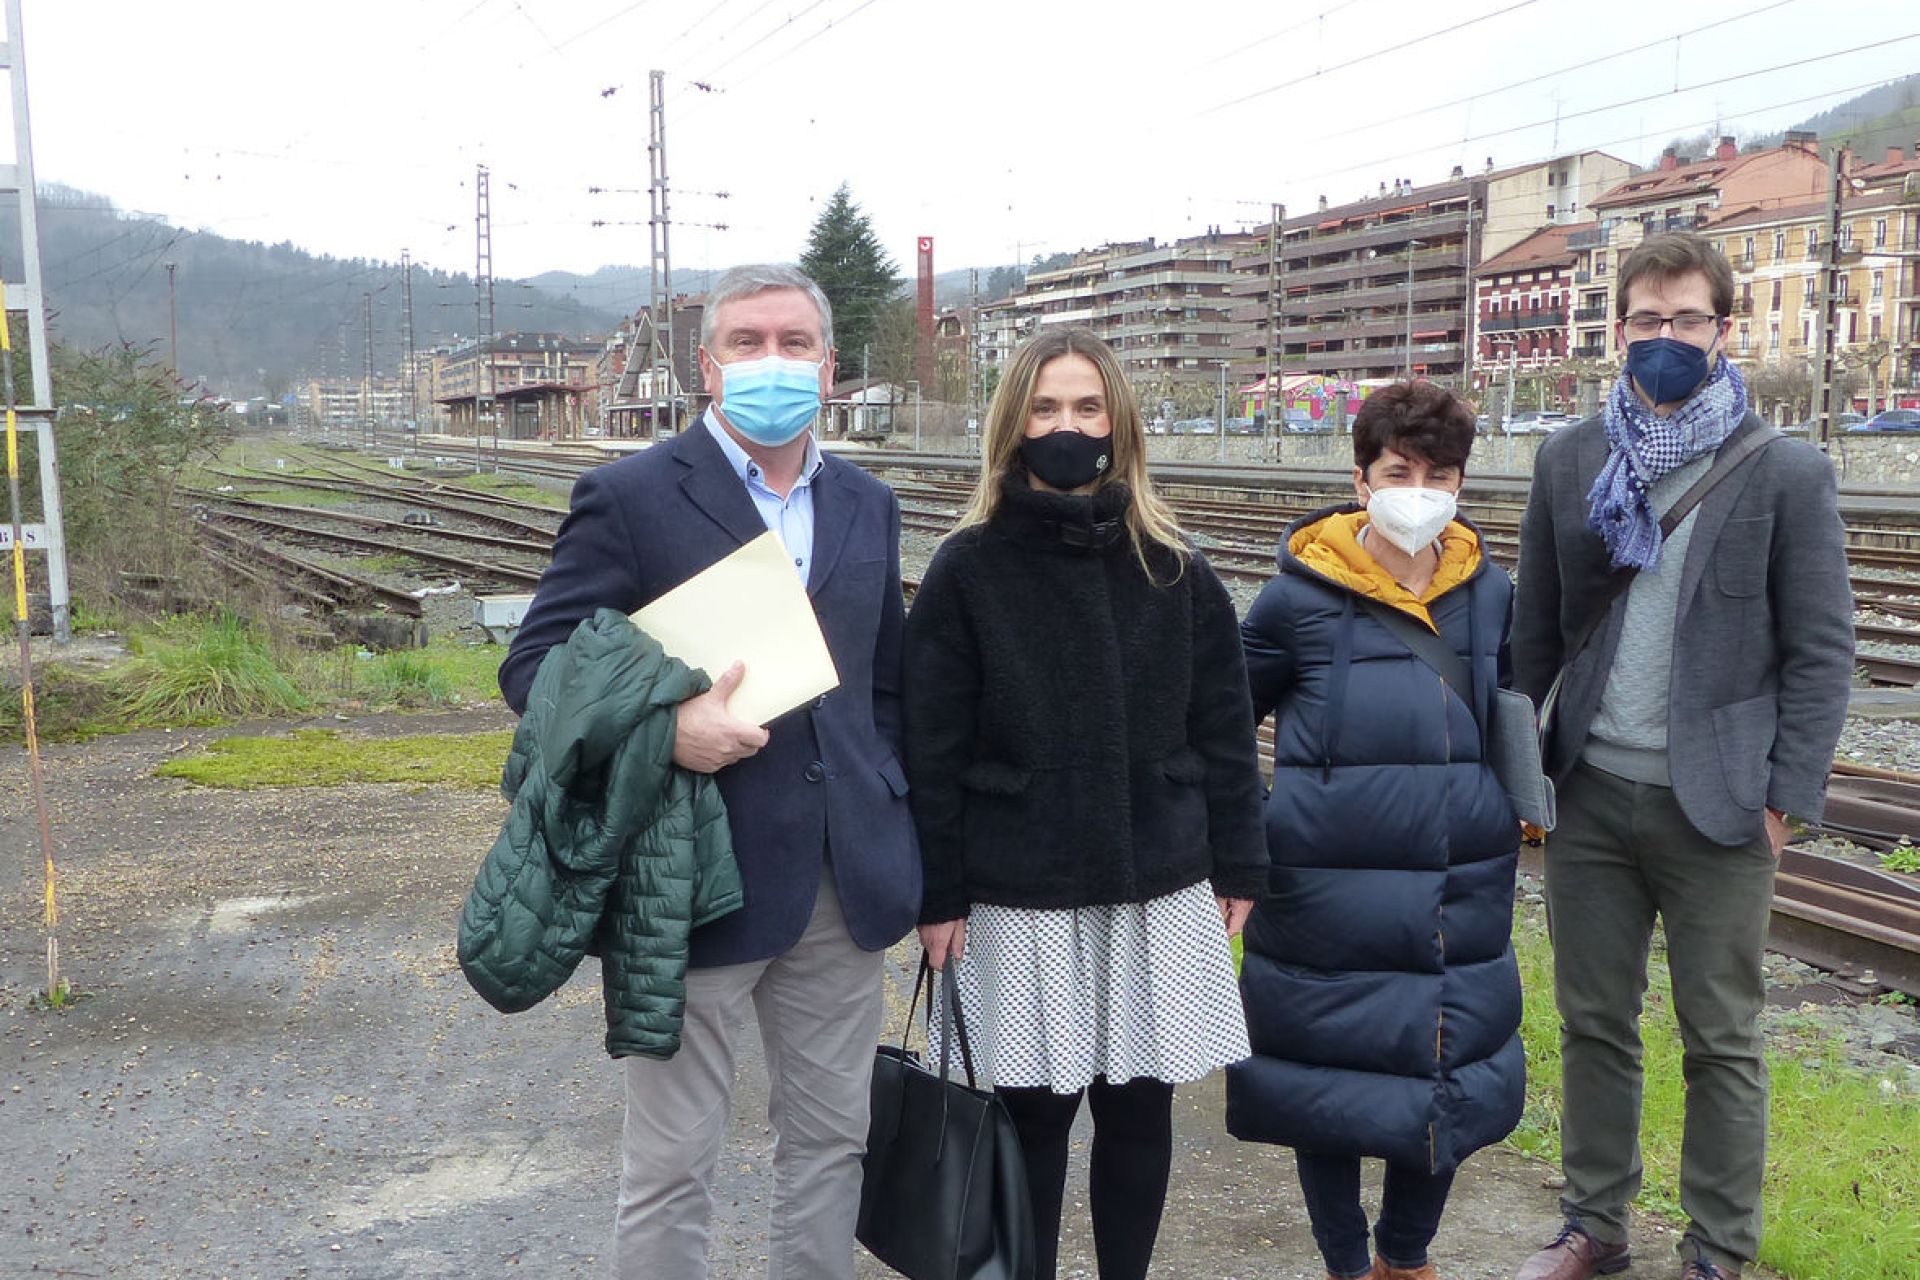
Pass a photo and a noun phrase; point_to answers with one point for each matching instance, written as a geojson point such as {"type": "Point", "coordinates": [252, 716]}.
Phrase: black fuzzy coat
{"type": "Point", "coordinates": [1076, 732]}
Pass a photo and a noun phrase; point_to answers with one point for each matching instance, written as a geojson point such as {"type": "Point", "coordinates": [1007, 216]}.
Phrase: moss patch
{"type": "Point", "coordinates": [326, 758]}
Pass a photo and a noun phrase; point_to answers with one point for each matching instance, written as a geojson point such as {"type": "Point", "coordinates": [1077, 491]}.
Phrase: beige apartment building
{"type": "Point", "coordinates": [1679, 195]}
{"type": "Point", "coordinates": [1777, 256]}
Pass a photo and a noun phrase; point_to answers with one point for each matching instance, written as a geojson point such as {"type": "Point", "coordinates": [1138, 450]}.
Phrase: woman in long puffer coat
{"type": "Point", "coordinates": [1382, 997]}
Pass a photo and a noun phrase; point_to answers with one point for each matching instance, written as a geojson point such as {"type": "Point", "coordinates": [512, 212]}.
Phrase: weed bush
{"type": "Point", "coordinates": [407, 680]}
{"type": "Point", "coordinates": [204, 669]}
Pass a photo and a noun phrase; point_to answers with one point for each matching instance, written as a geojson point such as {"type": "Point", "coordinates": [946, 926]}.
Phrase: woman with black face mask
{"type": "Point", "coordinates": [1080, 750]}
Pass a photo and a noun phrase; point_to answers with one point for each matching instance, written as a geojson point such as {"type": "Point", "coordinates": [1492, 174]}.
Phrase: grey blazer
{"type": "Point", "coordinates": [1762, 646]}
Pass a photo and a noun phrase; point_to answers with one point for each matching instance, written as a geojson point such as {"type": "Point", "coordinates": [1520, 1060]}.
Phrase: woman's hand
{"type": "Point", "coordinates": [941, 940]}
{"type": "Point", "coordinates": [1234, 913]}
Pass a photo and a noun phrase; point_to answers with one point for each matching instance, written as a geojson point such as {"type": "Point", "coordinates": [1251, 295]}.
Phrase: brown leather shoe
{"type": "Point", "coordinates": [1575, 1255]}
{"type": "Point", "coordinates": [1383, 1270]}
{"type": "Point", "coordinates": [1705, 1269]}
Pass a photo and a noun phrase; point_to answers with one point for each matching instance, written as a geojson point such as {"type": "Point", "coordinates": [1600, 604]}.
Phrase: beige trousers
{"type": "Point", "coordinates": [819, 1008]}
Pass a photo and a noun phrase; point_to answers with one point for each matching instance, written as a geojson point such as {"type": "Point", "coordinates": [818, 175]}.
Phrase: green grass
{"type": "Point", "coordinates": [1843, 1160]}
{"type": "Point", "coordinates": [1904, 858]}
{"type": "Point", "coordinates": [406, 679]}
{"type": "Point", "coordinates": [518, 490]}
{"type": "Point", "coordinates": [202, 670]}
{"type": "Point", "coordinates": [327, 758]}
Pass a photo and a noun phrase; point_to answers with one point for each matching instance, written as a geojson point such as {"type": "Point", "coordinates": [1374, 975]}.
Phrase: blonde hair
{"type": "Point", "coordinates": [1150, 522]}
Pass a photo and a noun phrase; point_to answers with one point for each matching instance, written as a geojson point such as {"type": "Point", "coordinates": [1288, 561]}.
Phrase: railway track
{"type": "Point", "coordinates": [1829, 912]}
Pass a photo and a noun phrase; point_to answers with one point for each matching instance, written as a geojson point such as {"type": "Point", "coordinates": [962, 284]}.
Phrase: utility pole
{"type": "Point", "coordinates": [173, 329]}
{"type": "Point", "coordinates": [412, 431]}
{"type": "Point", "coordinates": [1220, 415]}
{"type": "Point", "coordinates": [483, 312]}
{"type": "Point", "coordinates": [973, 344]}
{"type": "Point", "coordinates": [24, 295]}
{"type": "Point", "coordinates": [367, 434]}
{"type": "Point", "coordinates": [1829, 299]}
{"type": "Point", "coordinates": [658, 222]}
{"type": "Point", "coordinates": [1276, 401]}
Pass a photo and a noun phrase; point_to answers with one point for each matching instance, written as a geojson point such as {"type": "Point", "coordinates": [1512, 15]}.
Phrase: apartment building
{"type": "Point", "coordinates": [1164, 308]}
{"type": "Point", "coordinates": [1558, 193]}
{"type": "Point", "coordinates": [1777, 256]}
{"type": "Point", "coordinates": [343, 406]}
{"type": "Point", "coordinates": [1521, 302]}
{"type": "Point", "coordinates": [1679, 195]}
{"type": "Point", "coordinates": [1375, 289]}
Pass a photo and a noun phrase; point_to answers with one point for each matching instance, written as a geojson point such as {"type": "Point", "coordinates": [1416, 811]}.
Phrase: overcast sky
{"type": "Point", "coordinates": [1002, 128]}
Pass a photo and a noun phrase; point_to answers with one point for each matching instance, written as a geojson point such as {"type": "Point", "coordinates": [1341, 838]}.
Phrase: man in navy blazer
{"type": "Point", "coordinates": [816, 800]}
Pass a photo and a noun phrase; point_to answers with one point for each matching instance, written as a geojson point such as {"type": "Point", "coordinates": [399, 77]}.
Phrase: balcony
{"type": "Point", "coordinates": [1595, 239]}
{"type": "Point", "coordinates": [1590, 353]}
{"type": "Point", "coordinates": [1589, 315]}
{"type": "Point", "coordinates": [1583, 277]}
{"type": "Point", "coordinates": [1743, 262]}
{"type": "Point", "coordinates": [1541, 320]}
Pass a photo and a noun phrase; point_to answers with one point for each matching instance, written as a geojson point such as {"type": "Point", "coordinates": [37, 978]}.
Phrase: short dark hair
{"type": "Point", "coordinates": [1419, 419]}
{"type": "Point", "coordinates": [1673, 254]}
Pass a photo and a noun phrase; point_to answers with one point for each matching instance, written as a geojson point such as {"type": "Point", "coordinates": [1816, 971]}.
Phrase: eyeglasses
{"type": "Point", "coordinates": [1688, 324]}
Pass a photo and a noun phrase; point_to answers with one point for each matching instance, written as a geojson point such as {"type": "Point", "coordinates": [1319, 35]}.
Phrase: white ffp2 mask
{"type": "Point", "coordinates": [1410, 517]}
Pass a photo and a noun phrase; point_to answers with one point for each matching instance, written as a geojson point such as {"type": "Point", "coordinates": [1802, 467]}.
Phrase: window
{"type": "Point", "coordinates": [1807, 283]}
{"type": "Point", "coordinates": [1806, 333]}
{"type": "Point", "coordinates": [1776, 297]}
{"type": "Point", "coordinates": [1599, 262]}
{"type": "Point", "coordinates": [1813, 241]}
{"type": "Point", "coordinates": [1773, 335]}
{"type": "Point", "coordinates": [1879, 284]}
{"type": "Point", "coordinates": [1749, 249]}
{"type": "Point", "coordinates": [1879, 233]}
{"type": "Point", "coordinates": [1779, 245]}
{"type": "Point", "coordinates": [1873, 329]}
{"type": "Point", "coordinates": [1745, 342]}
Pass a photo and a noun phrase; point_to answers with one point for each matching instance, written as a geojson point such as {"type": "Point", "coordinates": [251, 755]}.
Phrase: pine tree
{"type": "Point", "coordinates": [845, 258]}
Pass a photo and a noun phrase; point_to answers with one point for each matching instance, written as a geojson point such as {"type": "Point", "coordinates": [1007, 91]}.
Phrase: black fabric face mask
{"type": "Point", "coordinates": [1066, 459]}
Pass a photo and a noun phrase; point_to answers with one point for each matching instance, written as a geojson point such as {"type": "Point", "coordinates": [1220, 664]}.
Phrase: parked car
{"type": "Point", "coordinates": [1302, 422]}
{"type": "Point", "coordinates": [1244, 427]}
{"type": "Point", "coordinates": [1192, 427]}
{"type": "Point", "coordinates": [1811, 427]}
{"type": "Point", "coordinates": [1891, 420]}
{"type": "Point", "coordinates": [1536, 422]}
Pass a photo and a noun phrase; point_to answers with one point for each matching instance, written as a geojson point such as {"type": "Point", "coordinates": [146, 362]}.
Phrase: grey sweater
{"type": "Point", "coordinates": [1629, 733]}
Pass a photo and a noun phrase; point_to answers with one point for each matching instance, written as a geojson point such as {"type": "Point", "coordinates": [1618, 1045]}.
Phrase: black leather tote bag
{"type": "Point", "coordinates": [945, 1191]}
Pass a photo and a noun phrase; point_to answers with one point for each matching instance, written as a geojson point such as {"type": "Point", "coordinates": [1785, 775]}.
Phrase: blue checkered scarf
{"type": "Point", "coordinates": [1642, 447]}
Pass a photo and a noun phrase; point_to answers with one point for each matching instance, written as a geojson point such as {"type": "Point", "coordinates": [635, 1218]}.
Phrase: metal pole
{"type": "Point", "coordinates": [1275, 398]}
{"type": "Point", "coordinates": [1220, 416]}
{"type": "Point", "coordinates": [1411, 246]}
{"type": "Point", "coordinates": [1829, 303]}
{"type": "Point", "coordinates": [916, 414]}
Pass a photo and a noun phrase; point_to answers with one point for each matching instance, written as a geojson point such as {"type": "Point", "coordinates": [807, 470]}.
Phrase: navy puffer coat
{"type": "Point", "coordinates": [1382, 997]}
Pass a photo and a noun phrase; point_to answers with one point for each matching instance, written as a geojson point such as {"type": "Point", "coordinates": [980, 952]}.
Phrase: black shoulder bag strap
{"type": "Point", "coordinates": [1729, 457]}
{"type": "Point", "coordinates": [1426, 646]}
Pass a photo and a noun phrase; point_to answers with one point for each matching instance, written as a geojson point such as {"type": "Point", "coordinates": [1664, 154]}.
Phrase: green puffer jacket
{"type": "Point", "coordinates": [608, 848]}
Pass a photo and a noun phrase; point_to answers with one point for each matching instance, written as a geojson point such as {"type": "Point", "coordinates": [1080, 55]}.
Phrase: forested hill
{"type": "Point", "coordinates": [253, 319]}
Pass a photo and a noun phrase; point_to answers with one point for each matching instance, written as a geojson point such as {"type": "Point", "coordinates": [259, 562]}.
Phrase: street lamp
{"type": "Point", "coordinates": [1411, 246]}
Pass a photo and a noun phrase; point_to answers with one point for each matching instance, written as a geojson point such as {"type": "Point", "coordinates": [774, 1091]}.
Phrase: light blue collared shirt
{"type": "Point", "coordinates": [792, 516]}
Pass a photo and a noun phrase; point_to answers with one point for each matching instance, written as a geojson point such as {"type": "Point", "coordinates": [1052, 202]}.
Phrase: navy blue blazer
{"type": "Point", "coordinates": [829, 778]}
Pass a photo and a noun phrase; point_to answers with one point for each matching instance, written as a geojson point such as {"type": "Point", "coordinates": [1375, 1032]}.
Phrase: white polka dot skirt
{"type": "Point", "coordinates": [1137, 989]}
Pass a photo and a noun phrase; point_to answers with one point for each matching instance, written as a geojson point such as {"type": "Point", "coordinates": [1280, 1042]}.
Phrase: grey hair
{"type": "Point", "coordinates": [758, 277]}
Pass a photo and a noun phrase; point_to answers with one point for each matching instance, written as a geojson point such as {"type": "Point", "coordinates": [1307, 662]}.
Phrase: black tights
{"type": "Point", "coordinates": [1132, 1152]}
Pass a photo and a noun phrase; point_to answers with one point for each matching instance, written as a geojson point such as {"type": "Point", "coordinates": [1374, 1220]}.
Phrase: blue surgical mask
{"type": "Point", "coordinates": [772, 400]}
{"type": "Point", "coordinates": [1667, 369]}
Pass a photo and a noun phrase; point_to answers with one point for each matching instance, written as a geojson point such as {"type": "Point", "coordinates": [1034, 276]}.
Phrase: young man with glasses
{"type": "Point", "coordinates": [1706, 674]}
